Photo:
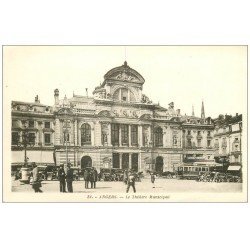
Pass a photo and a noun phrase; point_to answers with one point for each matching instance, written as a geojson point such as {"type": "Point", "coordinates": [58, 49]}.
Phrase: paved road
{"type": "Point", "coordinates": [161, 186]}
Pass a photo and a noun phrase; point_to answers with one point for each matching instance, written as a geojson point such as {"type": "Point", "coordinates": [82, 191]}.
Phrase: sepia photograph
{"type": "Point", "coordinates": [125, 123]}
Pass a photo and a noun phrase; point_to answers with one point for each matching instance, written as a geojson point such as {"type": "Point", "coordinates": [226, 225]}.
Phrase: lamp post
{"type": "Point", "coordinates": [27, 140]}
{"type": "Point", "coordinates": [66, 136]}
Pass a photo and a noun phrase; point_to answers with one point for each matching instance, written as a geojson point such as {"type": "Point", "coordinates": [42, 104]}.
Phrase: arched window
{"type": "Point", "coordinates": [124, 95]}
{"type": "Point", "coordinates": [158, 135]}
{"type": "Point", "coordinates": [85, 134]}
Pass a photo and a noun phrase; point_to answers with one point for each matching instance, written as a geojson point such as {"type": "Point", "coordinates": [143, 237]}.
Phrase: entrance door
{"type": "Point", "coordinates": [125, 161]}
{"type": "Point", "coordinates": [116, 160]}
{"type": "Point", "coordinates": [159, 164]}
{"type": "Point", "coordinates": [134, 162]}
{"type": "Point", "coordinates": [86, 161]}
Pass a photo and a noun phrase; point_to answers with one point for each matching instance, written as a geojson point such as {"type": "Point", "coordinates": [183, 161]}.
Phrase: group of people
{"type": "Point", "coordinates": [66, 177]}
{"type": "Point", "coordinates": [90, 177]}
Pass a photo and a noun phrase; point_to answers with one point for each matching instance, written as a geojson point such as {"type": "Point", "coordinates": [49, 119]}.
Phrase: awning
{"type": "Point", "coordinates": [41, 157]}
{"type": "Point", "coordinates": [234, 168]}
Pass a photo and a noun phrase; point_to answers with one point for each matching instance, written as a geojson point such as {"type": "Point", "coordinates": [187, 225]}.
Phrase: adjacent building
{"type": "Point", "coordinates": [227, 141]}
{"type": "Point", "coordinates": [118, 126]}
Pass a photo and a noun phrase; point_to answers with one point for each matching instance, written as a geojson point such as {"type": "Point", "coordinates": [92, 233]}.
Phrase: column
{"type": "Point", "coordinates": [72, 132]}
{"type": "Point", "coordinates": [150, 138]}
{"type": "Point", "coordinates": [109, 134]}
{"type": "Point", "coordinates": [57, 132]}
{"type": "Point", "coordinates": [129, 135]}
{"type": "Point", "coordinates": [120, 158]}
{"type": "Point", "coordinates": [139, 162]}
{"type": "Point", "coordinates": [180, 138]}
{"type": "Point", "coordinates": [61, 131]}
{"type": "Point", "coordinates": [140, 136]}
{"type": "Point", "coordinates": [75, 132]}
{"type": "Point", "coordinates": [129, 161]}
{"type": "Point", "coordinates": [92, 134]}
{"type": "Point", "coordinates": [79, 134]}
{"type": "Point", "coordinates": [75, 142]}
{"type": "Point", "coordinates": [120, 135]}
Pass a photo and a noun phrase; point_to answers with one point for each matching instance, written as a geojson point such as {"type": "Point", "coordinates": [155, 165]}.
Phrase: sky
{"type": "Point", "coordinates": [185, 75]}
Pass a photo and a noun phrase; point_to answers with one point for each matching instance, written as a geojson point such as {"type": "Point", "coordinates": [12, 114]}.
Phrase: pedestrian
{"type": "Point", "coordinates": [36, 184]}
{"type": "Point", "coordinates": [70, 178]}
{"type": "Point", "coordinates": [45, 175]}
{"type": "Point", "coordinates": [125, 177]}
{"type": "Point", "coordinates": [94, 178]}
{"type": "Point", "coordinates": [86, 178]}
{"type": "Point", "coordinates": [153, 179]}
{"type": "Point", "coordinates": [61, 177]}
{"type": "Point", "coordinates": [91, 178]}
{"type": "Point", "coordinates": [131, 181]}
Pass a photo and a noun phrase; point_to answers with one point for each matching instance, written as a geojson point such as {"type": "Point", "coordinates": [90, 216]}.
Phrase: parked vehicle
{"type": "Point", "coordinates": [187, 175]}
{"type": "Point", "coordinates": [168, 174]}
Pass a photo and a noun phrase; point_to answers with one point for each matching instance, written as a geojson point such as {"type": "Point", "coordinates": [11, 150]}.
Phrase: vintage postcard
{"type": "Point", "coordinates": [125, 123]}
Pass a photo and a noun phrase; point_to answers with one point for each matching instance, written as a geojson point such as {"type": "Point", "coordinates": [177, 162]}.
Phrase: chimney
{"type": "Point", "coordinates": [37, 99]}
{"type": "Point", "coordinates": [237, 114]}
{"type": "Point", "coordinates": [178, 111]}
{"type": "Point", "coordinates": [193, 110]}
{"type": "Point", "coordinates": [56, 96]}
{"type": "Point", "coordinates": [202, 111]}
{"type": "Point", "coordinates": [87, 92]}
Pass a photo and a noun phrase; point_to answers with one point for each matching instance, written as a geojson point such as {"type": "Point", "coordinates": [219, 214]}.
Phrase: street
{"type": "Point", "coordinates": [145, 186]}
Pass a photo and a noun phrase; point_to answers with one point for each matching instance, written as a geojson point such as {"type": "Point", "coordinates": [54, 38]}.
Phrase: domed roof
{"type": "Point", "coordinates": [125, 74]}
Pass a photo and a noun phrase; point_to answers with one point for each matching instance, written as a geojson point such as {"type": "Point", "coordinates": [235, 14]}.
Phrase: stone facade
{"type": "Point", "coordinates": [117, 127]}
{"type": "Point", "coordinates": [227, 139]}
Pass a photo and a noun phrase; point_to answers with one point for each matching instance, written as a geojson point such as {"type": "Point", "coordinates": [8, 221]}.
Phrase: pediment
{"type": "Point", "coordinates": [125, 74]}
{"type": "Point", "coordinates": [125, 77]}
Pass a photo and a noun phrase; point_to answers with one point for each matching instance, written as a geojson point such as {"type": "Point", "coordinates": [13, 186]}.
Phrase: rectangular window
{"type": "Point", "coordinates": [198, 132]}
{"type": "Point", "coordinates": [209, 143]}
{"type": "Point", "coordinates": [32, 138]}
{"type": "Point", "coordinates": [47, 124]}
{"type": "Point", "coordinates": [189, 132]}
{"type": "Point", "coordinates": [66, 137]}
{"type": "Point", "coordinates": [189, 142]}
{"type": "Point", "coordinates": [134, 135]}
{"type": "Point", "coordinates": [125, 161]}
{"type": "Point", "coordinates": [174, 140]}
{"type": "Point", "coordinates": [47, 138]}
{"type": "Point", "coordinates": [31, 124]}
{"type": "Point", "coordinates": [124, 134]}
{"type": "Point", "coordinates": [14, 138]}
{"type": "Point", "coordinates": [199, 143]}
{"type": "Point", "coordinates": [115, 134]}
{"type": "Point", "coordinates": [144, 136]}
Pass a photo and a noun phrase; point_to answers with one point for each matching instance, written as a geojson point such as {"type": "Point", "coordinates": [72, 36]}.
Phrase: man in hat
{"type": "Point", "coordinates": [94, 177]}
{"type": "Point", "coordinates": [86, 178]}
{"type": "Point", "coordinates": [69, 178]}
{"type": "Point", "coordinates": [36, 180]}
{"type": "Point", "coordinates": [131, 181]}
{"type": "Point", "coordinates": [61, 178]}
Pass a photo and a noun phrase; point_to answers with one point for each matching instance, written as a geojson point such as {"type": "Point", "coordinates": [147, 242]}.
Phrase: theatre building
{"type": "Point", "coordinates": [118, 126]}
